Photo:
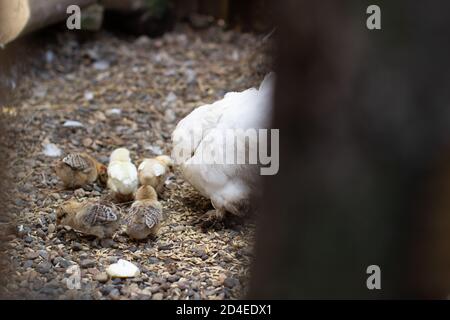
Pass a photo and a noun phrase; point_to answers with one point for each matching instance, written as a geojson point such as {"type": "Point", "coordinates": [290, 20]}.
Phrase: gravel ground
{"type": "Point", "coordinates": [125, 92]}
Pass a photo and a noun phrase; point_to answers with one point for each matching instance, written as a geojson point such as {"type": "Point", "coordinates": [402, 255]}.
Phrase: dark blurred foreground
{"type": "Point", "coordinates": [364, 174]}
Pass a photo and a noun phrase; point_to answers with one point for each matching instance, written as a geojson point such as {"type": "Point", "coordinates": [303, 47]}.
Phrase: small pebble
{"type": "Point", "coordinates": [55, 196]}
{"type": "Point", "coordinates": [112, 259]}
{"type": "Point", "coordinates": [153, 260]}
{"type": "Point", "coordinates": [157, 296]}
{"type": "Point", "coordinates": [178, 228]}
{"type": "Point", "coordinates": [79, 193]}
{"type": "Point", "coordinates": [114, 294]}
{"type": "Point", "coordinates": [44, 267]}
{"type": "Point", "coordinates": [41, 233]}
{"type": "Point", "coordinates": [51, 228]}
{"type": "Point", "coordinates": [92, 271]}
{"type": "Point", "coordinates": [87, 263]}
{"type": "Point", "coordinates": [105, 290]}
{"type": "Point", "coordinates": [147, 292]}
{"type": "Point", "coordinates": [173, 278]}
{"type": "Point", "coordinates": [107, 243]}
{"type": "Point", "coordinates": [231, 282]}
{"type": "Point", "coordinates": [32, 255]}
{"type": "Point", "coordinates": [101, 277]}
{"type": "Point", "coordinates": [43, 254]}
{"type": "Point", "coordinates": [63, 263]}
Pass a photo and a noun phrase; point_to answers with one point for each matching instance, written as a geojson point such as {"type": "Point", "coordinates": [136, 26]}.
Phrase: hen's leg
{"type": "Point", "coordinates": [211, 218]}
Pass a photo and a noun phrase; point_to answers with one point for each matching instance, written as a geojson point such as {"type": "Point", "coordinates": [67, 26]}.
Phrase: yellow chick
{"type": "Point", "coordinates": [89, 217]}
{"type": "Point", "coordinates": [145, 214]}
{"type": "Point", "coordinates": [122, 175]}
{"type": "Point", "coordinates": [79, 169]}
{"type": "Point", "coordinates": [154, 172]}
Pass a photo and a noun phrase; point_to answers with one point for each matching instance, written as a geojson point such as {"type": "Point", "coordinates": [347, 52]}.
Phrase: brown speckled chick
{"type": "Point", "coordinates": [145, 214]}
{"type": "Point", "coordinates": [79, 169]}
{"type": "Point", "coordinates": [89, 217]}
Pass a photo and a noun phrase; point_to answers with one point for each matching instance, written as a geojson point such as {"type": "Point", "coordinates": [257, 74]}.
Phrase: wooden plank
{"type": "Point", "coordinates": [18, 17]}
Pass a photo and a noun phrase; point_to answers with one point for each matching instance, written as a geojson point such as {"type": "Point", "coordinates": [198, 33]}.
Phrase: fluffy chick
{"type": "Point", "coordinates": [122, 175]}
{"type": "Point", "coordinates": [154, 172]}
{"type": "Point", "coordinates": [145, 214]}
{"type": "Point", "coordinates": [89, 217]}
{"type": "Point", "coordinates": [79, 169]}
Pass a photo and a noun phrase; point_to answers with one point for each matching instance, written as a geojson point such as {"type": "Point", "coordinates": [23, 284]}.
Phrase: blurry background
{"type": "Point", "coordinates": [150, 17]}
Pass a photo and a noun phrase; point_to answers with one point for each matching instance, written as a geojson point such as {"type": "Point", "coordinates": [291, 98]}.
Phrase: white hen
{"type": "Point", "coordinates": [122, 175]}
{"type": "Point", "coordinates": [229, 186]}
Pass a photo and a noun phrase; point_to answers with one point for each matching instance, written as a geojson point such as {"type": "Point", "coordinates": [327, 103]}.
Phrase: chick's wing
{"type": "Point", "coordinates": [144, 214]}
{"type": "Point", "coordinates": [99, 214]}
{"type": "Point", "coordinates": [153, 216]}
{"type": "Point", "coordinates": [77, 162]}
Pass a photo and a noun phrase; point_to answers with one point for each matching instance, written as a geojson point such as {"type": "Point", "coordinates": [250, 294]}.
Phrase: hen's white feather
{"type": "Point", "coordinates": [202, 131]}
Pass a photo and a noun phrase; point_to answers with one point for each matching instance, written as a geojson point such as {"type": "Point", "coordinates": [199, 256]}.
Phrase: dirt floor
{"type": "Point", "coordinates": [123, 92]}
